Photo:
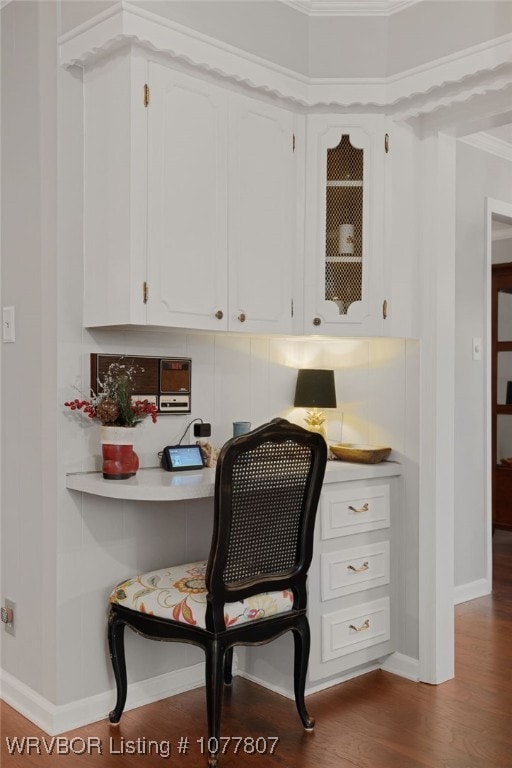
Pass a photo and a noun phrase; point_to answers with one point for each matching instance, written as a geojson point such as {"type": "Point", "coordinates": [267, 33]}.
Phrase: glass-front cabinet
{"type": "Point", "coordinates": [344, 225]}
{"type": "Point", "coordinates": [344, 194]}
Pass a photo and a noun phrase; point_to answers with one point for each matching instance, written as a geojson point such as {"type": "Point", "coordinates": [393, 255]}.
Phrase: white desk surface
{"type": "Point", "coordinates": [156, 484]}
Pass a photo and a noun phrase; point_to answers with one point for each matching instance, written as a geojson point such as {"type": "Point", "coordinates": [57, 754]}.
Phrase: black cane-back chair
{"type": "Point", "coordinates": [252, 589]}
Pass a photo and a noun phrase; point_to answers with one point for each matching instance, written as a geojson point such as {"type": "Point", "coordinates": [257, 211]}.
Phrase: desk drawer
{"type": "Point", "coordinates": [351, 570]}
{"type": "Point", "coordinates": [353, 629]}
{"type": "Point", "coordinates": [345, 511]}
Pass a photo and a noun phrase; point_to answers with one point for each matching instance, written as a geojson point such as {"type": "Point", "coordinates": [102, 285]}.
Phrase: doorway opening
{"type": "Point", "coordinates": [499, 381]}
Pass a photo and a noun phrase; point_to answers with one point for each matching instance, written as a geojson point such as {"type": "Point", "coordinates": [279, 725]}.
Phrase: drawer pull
{"type": "Point", "coordinates": [363, 567]}
{"type": "Point", "coordinates": [364, 508]}
{"type": "Point", "coordinates": [362, 628]}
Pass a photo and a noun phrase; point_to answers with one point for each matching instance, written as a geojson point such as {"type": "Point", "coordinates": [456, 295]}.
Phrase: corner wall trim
{"type": "Point", "coordinates": [55, 719]}
{"type": "Point", "coordinates": [471, 591]}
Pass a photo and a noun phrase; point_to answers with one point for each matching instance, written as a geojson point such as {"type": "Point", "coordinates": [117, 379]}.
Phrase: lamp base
{"type": "Point", "coordinates": [315, 421]}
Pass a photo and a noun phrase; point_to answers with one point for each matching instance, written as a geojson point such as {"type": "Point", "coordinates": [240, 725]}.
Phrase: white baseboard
{"type": "Point", "coordinates": [341, 679]}
{"type": "Point", "coordinates": [404, 666]}
{"type": "Point", "coordinates": [55, 719]}
{"type": "Point", "coordinates": [275, 688]}
{"type": "Point", "coordinates": [471, 591]}
{"type": "Point", "coordinates": [397, 663]}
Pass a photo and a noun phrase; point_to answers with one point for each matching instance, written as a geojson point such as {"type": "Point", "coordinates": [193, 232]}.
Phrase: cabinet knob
{"type": "Point", "coordinates": [242, 317]}
{"type": "Point", "coordinates": [219, 314]}
{"type": "Point", "coordinates": [317, 321]}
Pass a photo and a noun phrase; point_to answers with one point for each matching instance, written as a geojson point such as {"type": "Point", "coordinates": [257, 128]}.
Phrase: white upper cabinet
{"type": "Point", "coordinates": [262, 202]}
{"type": "Point", "coordinates": [115, 192]}
{"type": "Point", "coordinates": [345, 247]}
{"type": "Point", "coordinates": [189, 202]}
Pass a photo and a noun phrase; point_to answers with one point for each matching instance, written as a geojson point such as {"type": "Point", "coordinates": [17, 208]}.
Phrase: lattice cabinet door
{"type": "Point", "coordinates": [344, 259]}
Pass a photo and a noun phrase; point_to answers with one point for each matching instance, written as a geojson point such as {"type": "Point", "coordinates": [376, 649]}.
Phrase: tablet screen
{"type": "Point", "coordinates": [184, 457]}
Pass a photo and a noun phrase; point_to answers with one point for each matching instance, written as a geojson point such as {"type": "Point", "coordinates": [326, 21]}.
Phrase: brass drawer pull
{"type": "Point", "coordinates": [242, 317]}
{"type": "Point", "coordinates": [362, 628]}
{"type": "Point", "coordinates": [364, 508]}
{"type": "Point", "coordinates": [219, 314]}
{"type": "Point", "coordinates": [363, 567]}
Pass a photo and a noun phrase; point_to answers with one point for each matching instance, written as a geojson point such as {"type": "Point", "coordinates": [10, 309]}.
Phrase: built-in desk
{"type": "Point", "coordinates": [354, 580]}
{"type": "Point", "coordinates": [156, 484]}
{"type": "Point", "coordinates": [148, 485]}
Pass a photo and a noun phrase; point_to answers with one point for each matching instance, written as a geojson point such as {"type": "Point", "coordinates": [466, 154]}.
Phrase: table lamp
{"type": "Point", "coordinates": [315, 390]}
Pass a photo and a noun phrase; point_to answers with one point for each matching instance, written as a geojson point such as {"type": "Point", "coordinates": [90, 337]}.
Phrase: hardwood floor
{"type": "Point", "coordinates": [375, 721]}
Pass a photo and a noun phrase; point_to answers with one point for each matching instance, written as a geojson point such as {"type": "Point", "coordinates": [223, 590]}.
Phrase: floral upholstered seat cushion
{"type": "Point", "coordinates": [179, 593]}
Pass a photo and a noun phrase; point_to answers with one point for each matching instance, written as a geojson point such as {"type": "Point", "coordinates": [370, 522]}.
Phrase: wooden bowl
{"type": "Point", "coordinates": [363, 454]}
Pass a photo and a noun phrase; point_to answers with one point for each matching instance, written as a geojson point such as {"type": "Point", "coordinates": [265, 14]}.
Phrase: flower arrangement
{"type": "Point", "coordinates": [113, 405]}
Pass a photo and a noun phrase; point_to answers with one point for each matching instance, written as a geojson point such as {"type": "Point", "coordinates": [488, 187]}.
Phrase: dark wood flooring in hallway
{"type": "Point", "coordinates": [375, 721]}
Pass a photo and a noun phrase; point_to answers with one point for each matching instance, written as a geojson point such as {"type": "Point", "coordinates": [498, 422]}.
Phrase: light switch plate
{"type": "Point", "coordinates": [8, 330]}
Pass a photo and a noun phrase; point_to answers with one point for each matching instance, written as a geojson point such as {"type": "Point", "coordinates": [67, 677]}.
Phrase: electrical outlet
{"type": "Point", "coordinates": [8, 613]}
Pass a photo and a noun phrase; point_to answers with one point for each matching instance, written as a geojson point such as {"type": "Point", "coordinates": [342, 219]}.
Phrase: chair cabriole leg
{"type": "Point", "coordinates": [301, 638]}
{"type": "Point", "coordinates": [228, 666]}
{"type": "Point", "coordinates": [116, 645]}
{"type": "Point", "coordinates": [215, 654]}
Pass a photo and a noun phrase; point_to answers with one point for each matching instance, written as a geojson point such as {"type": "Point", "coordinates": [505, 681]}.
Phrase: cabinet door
{"type": "Point", "coordinates": [261, 220]}
{"type": "Point", "coordinates": [187, 201]}
{"type": "Point", "coordinates": [344, 225]}
{"type": "Point", "coordinates": [115, 195]}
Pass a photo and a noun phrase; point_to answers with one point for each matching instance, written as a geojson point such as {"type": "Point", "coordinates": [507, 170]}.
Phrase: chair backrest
{"type": "Point", "coordinates": [267, 488]}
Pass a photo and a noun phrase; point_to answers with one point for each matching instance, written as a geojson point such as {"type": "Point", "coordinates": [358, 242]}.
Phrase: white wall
{"type": "Point", "coordinates": [502, 251]}
{"type": "Point", "coordinates": [479, 175]}
{"type": "Point", "coordinates": [29, 366]}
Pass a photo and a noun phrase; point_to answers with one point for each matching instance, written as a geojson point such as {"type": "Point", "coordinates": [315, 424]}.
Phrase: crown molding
{"type": "Point", "coordinates": [350, 7]}
{"type": "Point", "coordinates": [493, 145]}
{"type": "Point", "coordinates": [455, 79]}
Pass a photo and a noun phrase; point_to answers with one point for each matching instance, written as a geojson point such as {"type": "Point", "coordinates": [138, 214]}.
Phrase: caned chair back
{"type": "Point", "coordinates": [267, 488]}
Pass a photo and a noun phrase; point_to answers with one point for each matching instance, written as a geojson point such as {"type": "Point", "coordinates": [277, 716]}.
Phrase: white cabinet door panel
{"type": "Point", "coordinates": [358, 274]}
{"type": "Point", "coordinates": [187, 201]}
{"type": "Point", "coordinates": [261, 219]}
